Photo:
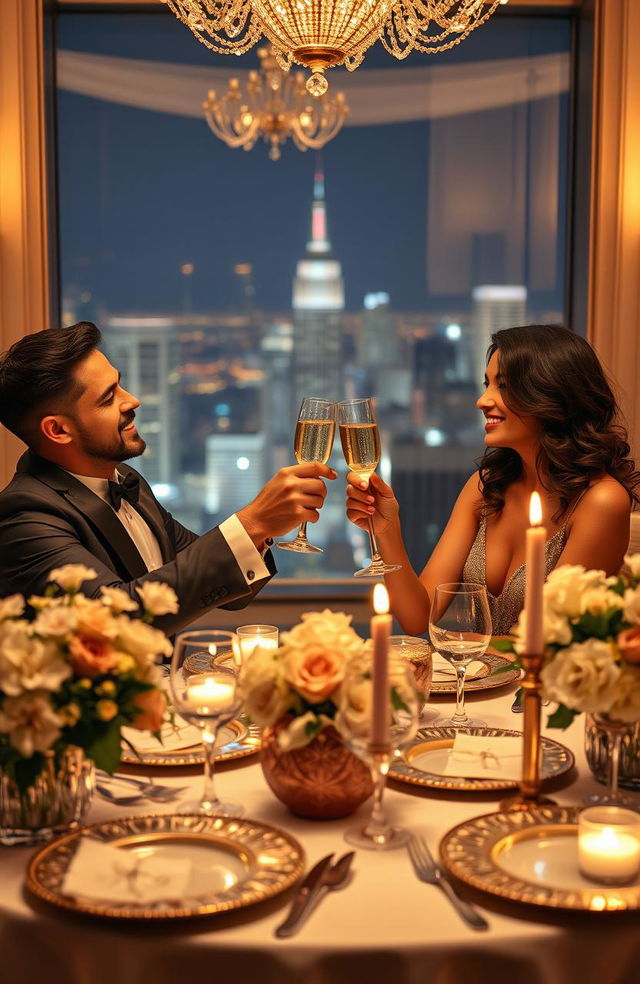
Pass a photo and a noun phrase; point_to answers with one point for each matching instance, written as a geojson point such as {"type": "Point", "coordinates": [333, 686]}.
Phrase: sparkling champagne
{"type": "Point", "coordinates": [361, 448]}
{"type": "Point", "coordinates": [313, 440]}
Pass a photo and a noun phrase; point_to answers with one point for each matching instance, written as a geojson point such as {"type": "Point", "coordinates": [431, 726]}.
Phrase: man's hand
{"type": "Point", "coordinates": [294, 495]}
{"type": "Point", "coordinates": [371, 500]}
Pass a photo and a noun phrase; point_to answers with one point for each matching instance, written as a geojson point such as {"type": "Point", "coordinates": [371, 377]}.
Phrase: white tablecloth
{"type": "Point", "coordinates": [385, 927]}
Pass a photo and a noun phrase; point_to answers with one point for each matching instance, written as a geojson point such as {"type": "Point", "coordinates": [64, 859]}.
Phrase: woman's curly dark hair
{"type": "Point", "coordinates": [553, 375]}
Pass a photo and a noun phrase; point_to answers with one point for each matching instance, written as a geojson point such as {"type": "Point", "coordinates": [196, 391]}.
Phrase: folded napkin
{"type": "Point", "coordinates": [113, 874]}
{"type": "Point", "coordinates": [442, 667]}
{"type": "Point", "coordinates": [480, 757]}
{"type": "Point", "coordinates": [178, 735]}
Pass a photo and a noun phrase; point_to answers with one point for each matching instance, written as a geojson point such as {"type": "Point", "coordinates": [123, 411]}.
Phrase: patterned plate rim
{"type": "Point", "coordinates": [403, 771]}
{"type": "Point", "coordinates": [48, 866]}
{"type": "Point", "coordinates": [468, 852]}
{"type": "Point", "coordinates": [488, 682]}
{"type": "Point", "coordinates": [238, 748]}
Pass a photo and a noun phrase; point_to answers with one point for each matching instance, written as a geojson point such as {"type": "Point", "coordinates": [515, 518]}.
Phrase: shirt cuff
{"type": "Point", "coordinates": [242, 547]}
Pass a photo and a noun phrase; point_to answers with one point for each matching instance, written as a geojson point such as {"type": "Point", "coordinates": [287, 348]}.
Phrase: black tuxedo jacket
{"type": "Point", "coordinates": [48, 518]}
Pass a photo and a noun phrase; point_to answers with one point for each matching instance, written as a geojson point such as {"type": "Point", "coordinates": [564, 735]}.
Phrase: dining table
{"type": "Point", "coordinates": [384, 926]}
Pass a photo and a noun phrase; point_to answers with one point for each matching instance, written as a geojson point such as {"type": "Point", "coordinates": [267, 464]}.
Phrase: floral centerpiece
{"type": "Point", "coordinates": [591, 626]}
{"type": "Point", "coordinates": [295, 693]}
{"type": "Point", "coordinates": [74, 670]}
{"type": "Point", "coordinates": [299, 683]}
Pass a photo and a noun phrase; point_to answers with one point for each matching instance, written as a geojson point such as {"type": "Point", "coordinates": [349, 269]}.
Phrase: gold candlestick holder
{"type": "Point", "coordinates": [529, 794]}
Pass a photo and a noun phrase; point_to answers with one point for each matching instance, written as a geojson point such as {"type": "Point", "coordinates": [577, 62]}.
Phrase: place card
{"type": "Point", "coordinates": [178, 735]}
{"type": "Point", "coordinates": [485, 757]}
{"type": "Point", "coordinates": [112, 874]}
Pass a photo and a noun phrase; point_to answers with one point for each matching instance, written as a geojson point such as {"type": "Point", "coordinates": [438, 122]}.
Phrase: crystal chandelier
{"type": "Point", "coordinates": [320, 34]}
{"type": "Point", "coordinates": [274, 106]}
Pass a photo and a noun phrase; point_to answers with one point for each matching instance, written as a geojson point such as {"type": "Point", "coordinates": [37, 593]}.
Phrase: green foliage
{"type": "Point", "coordinates": [104, 745]}
{"type": "Point", "coordinates": [561, 717]}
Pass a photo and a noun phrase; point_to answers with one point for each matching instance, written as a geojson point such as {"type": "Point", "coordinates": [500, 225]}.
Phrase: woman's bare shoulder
{"type": "Point", "coordinates": [470, 493]}
{"type": "Point", "coordinates": [606, 493]}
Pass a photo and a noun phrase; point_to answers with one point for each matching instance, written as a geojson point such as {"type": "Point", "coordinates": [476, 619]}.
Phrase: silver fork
{"type": "Point", "coordinates": [146, 789]}
{"type": "Point", "coordinates": [430, 872]}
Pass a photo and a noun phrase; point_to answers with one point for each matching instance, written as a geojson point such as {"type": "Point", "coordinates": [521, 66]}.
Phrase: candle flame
{"type": "Point", "coordinates": [380, 599]}
{"type": "Point", "coordinates": [535, 509]}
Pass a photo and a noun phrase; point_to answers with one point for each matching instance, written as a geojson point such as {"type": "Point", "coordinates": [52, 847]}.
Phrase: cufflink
{"type": "Point", "coordinates": [250, 575]}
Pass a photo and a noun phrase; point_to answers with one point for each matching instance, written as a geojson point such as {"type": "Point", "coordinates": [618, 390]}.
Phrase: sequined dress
{"type": "Point", "coordinates": [506, 607]}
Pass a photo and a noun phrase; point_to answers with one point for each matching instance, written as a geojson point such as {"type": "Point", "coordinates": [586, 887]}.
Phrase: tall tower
{"type": "Point", "coordinates": [495, 306]}
{"type": "Point", "coordinates": [318, 302]}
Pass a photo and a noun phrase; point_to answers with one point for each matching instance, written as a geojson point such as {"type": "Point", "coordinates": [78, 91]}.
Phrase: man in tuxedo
{"type": "Point", "coordinates": [72, 500]}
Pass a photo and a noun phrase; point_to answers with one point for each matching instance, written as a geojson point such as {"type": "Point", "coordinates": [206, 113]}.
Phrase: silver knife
{"type": "Point", "coordinates": [304, 897]}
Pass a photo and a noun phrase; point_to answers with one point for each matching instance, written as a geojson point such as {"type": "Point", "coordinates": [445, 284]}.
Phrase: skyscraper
{"type": "Point", "coordinates": [317, 302]}
{"type": "Point", "coordinates": [495, 306]}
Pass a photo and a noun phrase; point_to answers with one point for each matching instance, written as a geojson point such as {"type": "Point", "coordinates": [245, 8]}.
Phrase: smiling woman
{"type": "Point", "coordinates": [552, 425]}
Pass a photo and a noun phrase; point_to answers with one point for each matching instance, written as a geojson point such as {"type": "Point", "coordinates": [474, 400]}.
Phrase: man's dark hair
{"type": "Point", "coordinates": [37, 376]}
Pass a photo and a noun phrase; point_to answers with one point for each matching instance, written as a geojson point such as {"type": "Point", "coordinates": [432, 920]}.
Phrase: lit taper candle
{"type": "Point", "coordinates": [534, 559]}
{"type": "Point", "coordinates": [380, 632]}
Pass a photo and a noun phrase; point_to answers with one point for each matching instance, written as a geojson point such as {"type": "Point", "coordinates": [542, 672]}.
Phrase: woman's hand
{"type": "Point", "coordinates": [374, 500]}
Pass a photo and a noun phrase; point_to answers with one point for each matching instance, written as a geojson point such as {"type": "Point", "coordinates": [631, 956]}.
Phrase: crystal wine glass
{"type": "Point", "coordinates": [313, 441]}
{"type": "Point", "coordinates": [361, 447]}
{"type": "Point", "coordinates": [356, 723]}
{"type": "Point", "coordinates": [205, 693]}
{"type": "Point", "coordinates": [460, 630]}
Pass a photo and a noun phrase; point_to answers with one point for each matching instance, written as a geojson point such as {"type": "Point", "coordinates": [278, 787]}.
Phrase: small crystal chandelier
{"type": "Point", "coordinates": [320, 34]}
{"type": "Point", "coordinates": [274, 106]}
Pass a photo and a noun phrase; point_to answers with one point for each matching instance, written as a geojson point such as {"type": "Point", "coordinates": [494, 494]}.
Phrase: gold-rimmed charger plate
{"type": "Point", "coordinates": [531, 857]}
{"type": "Point", "coordinates": [236, 740]}
{"type": "Point", "coordinates": [443, 681]}
{"type": "Point", "coordinates": [422, 761]}
{"type": "Point", "coordinates": [239, 862]}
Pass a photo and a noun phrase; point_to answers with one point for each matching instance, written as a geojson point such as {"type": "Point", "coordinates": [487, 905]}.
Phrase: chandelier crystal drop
{"type": "Point", "coordinates": [275, 106]}
{"type": "Point", "coordinates": [321, 34]}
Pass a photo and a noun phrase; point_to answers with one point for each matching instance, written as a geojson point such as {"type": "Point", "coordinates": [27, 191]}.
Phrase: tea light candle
{"type": "Point", "coordinates": [536, 537]}
{"type": "Point", "coordinates": [609, 844]}
{"type": "Point", "coordinates": [252, 636]}
{"type": "Point", "coordinates": [209, 695]}
{"type": "Point", "coordinates": [380, 632]}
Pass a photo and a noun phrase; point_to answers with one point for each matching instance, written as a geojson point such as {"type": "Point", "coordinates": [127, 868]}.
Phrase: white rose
{"type": "Point", "coordinates": [31, 723]}
{"type": "Point", "coordinates": [584, 676]}
{"type": "Point", "coordinates": [72, 576]}
{"type": "Point", "coordinates": [565, 586]}
{"type": "Point", "coordinates": [27, 663]}
{"type": "Point", "coordinates": [354, 712]}
{"type": "Point", "coordinates": [295, 734]}
{"type": "Point", "coordinates": [158, 598]}
{"type": "Point", "coordinates": [140, 639]}
{"type": "Point", "coordinates": [632, 561]}
{"type": "Point", "coordinates": [118, 600]}
{"type": "Point", "coordinates": [263, 687]}
{"type": "Point", "coordinates": [56, 620]}
{"type": "Point", "coordinates": [328, 629]}
{"type": "Point", "coordinates": [556, 628]}
{"type": "Point", "coordinates": [626, 706]}
{"type": "Point", "coordinates": [11, 607]}
{"type": "Point", "coordinates": [598, 600]}
{"type": "Point", "coordinates": [631, 601]}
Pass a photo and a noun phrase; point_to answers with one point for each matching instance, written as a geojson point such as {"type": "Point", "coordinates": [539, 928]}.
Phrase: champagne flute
{"type": "Point", "coordinates": [460, 630]}
{"type": "Point", "coordinates": [313, 441]}
{"type": "Point", "coordinates": [361, 447]}
{"type": "Point", "coordinates": [355, 722]}
{"type": "Point", "coordinates": [206, 694]}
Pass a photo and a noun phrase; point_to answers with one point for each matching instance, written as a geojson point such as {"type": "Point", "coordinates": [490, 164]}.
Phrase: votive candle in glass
{"type": "Point", "coordinates": [609, 844]}
{"type": "Point", "coordinates": [252, 636]}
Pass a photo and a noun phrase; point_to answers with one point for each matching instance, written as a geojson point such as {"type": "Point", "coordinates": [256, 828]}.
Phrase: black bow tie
{"type": "Point", "coordinates": [128, 488]}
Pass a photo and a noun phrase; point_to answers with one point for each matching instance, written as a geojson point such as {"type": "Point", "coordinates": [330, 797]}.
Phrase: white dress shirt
{"type": "Point", "coordinates": [240, 543]}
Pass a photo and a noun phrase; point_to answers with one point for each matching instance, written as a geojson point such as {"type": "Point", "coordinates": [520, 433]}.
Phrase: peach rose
{"type": "Point", "coordinates": [90, 656]}
{"type": "Point", "coordinates": [629, 645]}
{"type": "Point", "coordinates": [151, 706]}
{"type": "Point", "coordinates": [314, 671]}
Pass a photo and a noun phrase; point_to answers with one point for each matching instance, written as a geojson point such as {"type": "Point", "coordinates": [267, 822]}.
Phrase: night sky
{"type": "Point", "coordinates": [143, 192]}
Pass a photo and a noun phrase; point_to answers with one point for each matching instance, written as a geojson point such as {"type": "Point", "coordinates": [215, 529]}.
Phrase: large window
{"type": "Point", "coordinates": [445, 198]}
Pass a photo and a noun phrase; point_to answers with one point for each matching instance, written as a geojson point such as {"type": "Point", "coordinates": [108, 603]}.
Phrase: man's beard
{"type": "Point", "coordinates": [111, 450]}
